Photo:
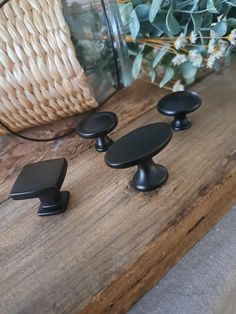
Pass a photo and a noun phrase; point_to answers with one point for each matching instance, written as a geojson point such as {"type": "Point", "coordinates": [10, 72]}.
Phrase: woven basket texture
{"type": "Point", "coordinates": [41, 79]}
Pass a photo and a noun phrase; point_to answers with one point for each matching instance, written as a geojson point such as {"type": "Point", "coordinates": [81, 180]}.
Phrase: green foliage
{"type": "Point", "coordinates": [168, 75]}
{"type": "Point", "coordinates": [160, 55]}
{"type": "Point", "coordinates": [155, 7]}
{"type": "Point", "coordinates": [159, 23]}
{"type": "Point", "coordinates": [93, 53]}
{"type": "Point", "coordinates": [137, 65]}
{"type": "Point", "coordinates": [188, 72]}
{"type": "Point", "coordinates": [134, 24]}
{"type": "Point", "coordinates": [220, 28]}
{"type": "Point", "coordinates": [125, 11]}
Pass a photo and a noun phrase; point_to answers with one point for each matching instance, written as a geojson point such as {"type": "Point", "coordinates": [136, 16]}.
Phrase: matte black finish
{"type": "Point", "coordinates": [43, 180]}
{"type": "Point", "coordinates": [98, 125]}
{"type": "Point", "coordinates": [179, 104]}
{"type": "Point", "coordinates": [137, 148]}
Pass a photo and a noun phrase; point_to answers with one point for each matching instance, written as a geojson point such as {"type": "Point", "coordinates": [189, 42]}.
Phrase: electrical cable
{"type": "Point", "coordinates": [3, 3]}
{"type": "Point", "coordinates": [37, 139]}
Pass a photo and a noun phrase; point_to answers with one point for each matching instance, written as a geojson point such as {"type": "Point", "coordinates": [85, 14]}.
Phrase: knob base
{"type": "Point", "coordinates": [58, 208]}
{"type": "Point", "coordinates": [180, 123]}
{"type": "Point", "coordinates": [149, 176]}
{"type": "Point", "coordinates": [103, 143]}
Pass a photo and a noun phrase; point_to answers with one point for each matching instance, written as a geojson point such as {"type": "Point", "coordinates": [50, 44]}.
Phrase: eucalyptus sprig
{"type": "Point", "coordinates": [178, 39]}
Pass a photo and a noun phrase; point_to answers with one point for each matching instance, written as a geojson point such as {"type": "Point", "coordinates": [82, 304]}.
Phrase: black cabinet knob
{"type": "Point", "coordinates": [43, 180]}
{"type": "Point", "coordinates": [98, 125]}
{"type": "Point", "coordinates": [137, 148]}
{"type": "Point", "coordinates": [179, 104]}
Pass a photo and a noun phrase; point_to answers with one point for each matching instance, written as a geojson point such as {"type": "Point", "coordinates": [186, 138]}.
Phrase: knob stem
{"type": "Point", "coordinates": [53, 204]}
{"type": "Point", "coordinates": [181, 122]}
{"type": "Point", "coordinates": [102, 143]}
{"type": "Point", "coordinates": [149, 176]}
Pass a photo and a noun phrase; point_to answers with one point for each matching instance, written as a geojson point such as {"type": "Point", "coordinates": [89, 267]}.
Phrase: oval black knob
{"type": "Point", "coordinates": [137, 148]}
{"type": "Point", "coordinates": [43, 180]}
{"type": "Point", "coordinates": [179, 104]}
{"type": "Point", "coordinates": [98, 125]}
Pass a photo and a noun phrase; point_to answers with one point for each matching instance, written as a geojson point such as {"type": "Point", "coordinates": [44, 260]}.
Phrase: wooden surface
{"type": "Point", "coordinates": [113, 244]}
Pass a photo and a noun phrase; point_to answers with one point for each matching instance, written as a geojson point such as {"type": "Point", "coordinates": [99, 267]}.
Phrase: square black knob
{"type": "Point", "coordinates": [43, 180]}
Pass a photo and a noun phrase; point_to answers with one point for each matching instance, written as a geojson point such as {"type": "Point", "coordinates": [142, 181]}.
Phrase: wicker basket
{"type": "Point", "coordinates": [41, 79]}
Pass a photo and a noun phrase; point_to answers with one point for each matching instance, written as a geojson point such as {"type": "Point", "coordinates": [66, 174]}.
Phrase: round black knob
{"type": "Point", "coordinates": [43, 180]}
{"type": "Point", "coordinates": [179, 104]}
{"type": "Point", "coordinates": [98, 125]}
{"type": "Point", "coordinates": [137, 148]}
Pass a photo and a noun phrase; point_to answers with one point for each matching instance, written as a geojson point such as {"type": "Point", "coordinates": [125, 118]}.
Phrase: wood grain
{"type": "Point", "coordinates": [113, 243]}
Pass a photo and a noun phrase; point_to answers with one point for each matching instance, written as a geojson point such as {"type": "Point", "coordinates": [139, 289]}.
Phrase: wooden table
{"type": "Point", "coordinates": [113, 244]}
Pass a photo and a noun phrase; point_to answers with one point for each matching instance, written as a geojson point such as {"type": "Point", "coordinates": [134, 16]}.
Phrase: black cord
{"type": "Point", "coordinates": [3, 3]}
{"type": "Point", "coordinates": [37, 139]}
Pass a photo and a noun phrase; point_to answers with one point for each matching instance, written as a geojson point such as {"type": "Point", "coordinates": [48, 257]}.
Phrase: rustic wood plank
{"type": "Point", "coordinates": [113, 243]}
